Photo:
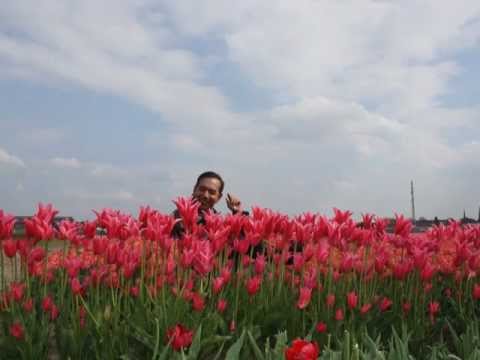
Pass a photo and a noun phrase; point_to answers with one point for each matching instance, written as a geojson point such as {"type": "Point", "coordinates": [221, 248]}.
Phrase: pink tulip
{"type": "Point", "coordinates": [304, 298]}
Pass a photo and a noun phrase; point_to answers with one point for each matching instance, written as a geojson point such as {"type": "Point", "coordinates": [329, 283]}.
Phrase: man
{"type": "Point", "coordinates": [208, 190]}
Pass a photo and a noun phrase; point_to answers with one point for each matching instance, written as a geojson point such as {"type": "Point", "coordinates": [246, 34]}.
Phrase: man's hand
{"type": "Point", "coordinates": [233, 203]}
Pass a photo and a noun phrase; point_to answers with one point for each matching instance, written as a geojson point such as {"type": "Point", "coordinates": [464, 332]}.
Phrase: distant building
{"type": "Point", "coordinates": [422, 223]}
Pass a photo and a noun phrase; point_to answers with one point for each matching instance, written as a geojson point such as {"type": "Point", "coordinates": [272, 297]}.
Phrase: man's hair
{"type": "Point", "coordinates": [210, 174]}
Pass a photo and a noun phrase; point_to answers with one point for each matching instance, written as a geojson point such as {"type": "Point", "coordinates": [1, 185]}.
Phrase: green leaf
{"type": "Point", "coordinates": [310, 333]}
{"type": "Point", "coordinates": [215, 339]}
{"type": "Point", "coordinates": [219, 352]}
{"type": "Point", "coordinates": [346, 346]}
{"type": "Point", "coordinates": [196, 345]}
{"type": "Point", "coordinates": [157, 339]}
{"type": "Point", "coordinates": [268, 354]}
{"type": "Point", "coordinates": [373, 348]}
{"type": "Point", "coordinates": [256, 349]}
{"type": "Point", "coordinates": [164, 353]}
{"type": "Point", "coordinates": [233, 352]}
{"type": "Point", "coordinates": [280, 345]}
{"type": "Point", "coordinates": [329, 354]}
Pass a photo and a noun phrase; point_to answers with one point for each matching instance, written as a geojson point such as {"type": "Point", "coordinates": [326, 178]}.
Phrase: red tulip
{"type": "Point", "coordinates": [76, 286]}
{"type": "Point", "coordinates": [246, 261]}
{"type": "Point", "coordinates": [241, 246]}
{"type": "Point", "coordinates": [365, 308]}
{"type": "Point", "coordinates": [341, 216]}
{"type": "Point", "coordinates": [330, 300]}
{"type": "Point", "coordinates": [54, 312]}
{"type": "Point", "coordinates": [352, 300]}
{"type": "Point", "coordinates": [179, 337]}
{"type": "Point", "coordinates": [10, 247]}
{"type": "Point", "coordinates": [90, 228]}
{"type": "Point", "coordinates": [367, 221]}
{"type": "Point", "coordinates": [427, 272]}
{"type": "Point", "coordinates": [37, 254]}
{"type": "Point", "coordinates": [38, 228]}
{"type": "Point", "coordinates": [47, 303]}
{"type": "Point", "coordinates": [403, 226]}
{"type": "Point", "coordinates": [302, 350]}
{"type": "Point", "coordinates": [321, 327]}
{"type": "Point", "coordinates": [100, 244]}
{"type": "Point", "coordinates": [402, 269]}
{"type": "Point", "coordinates": [16, 291]}
{"type": "Point", "coordinates": [304, 299]}
{"type": "Point", "coordinates": [7, 222]}
{"type": "Point", "coordinates": [226, 273]}
{"type": "Point", "coordinates": [322, 252]}
{"type": "Point", "coordinates": [134, 291]}
{"type": "Point", "coordinates": [476, 291]}
{"type": "Point", "coordinates": [67, 230]}
{"type": "Point", "coordinates": [23, 247]}
{"type": "Point", "coordinates": [385, 304]}
{"type": "Point", "coordinates": [72, 265]}
{"type": "Point", "coordinates": [188, 211]}
{"type": "Point", "coordinates": [203, 259]}
{"type": "Point", "coordinates": [46, 212]}
{"type": "Point", "coordinates": [298, 261]}
{"type": "Point", "coordinates": [433, 310]}
{"type": "Point", "coordinates": [129, 269]}
{"type": "Point", "coordinates": [253, 285]}
{"type": "Point", "coordinates": [28, 305]}
{"type": "Point", "coordinates": [16, 330]}
{"type": "Point", "coordinates": [427, 287]}
{"type": "Point", "coordinates": [260, 264]}
{"type": "Point", "coordinates": [221, 305]}
{"type": "Point", "coordinates": [218, 283]}
{"type": "Point", "coordinates": [339, 316]}
{"type": "Point", "coordinates": [310, 279]}
{"type": "Point", "coordinates": [198, 302]}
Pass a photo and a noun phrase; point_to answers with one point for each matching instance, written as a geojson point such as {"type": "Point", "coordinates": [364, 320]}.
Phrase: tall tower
{"type": "Point", "coordinates": [413, 201]}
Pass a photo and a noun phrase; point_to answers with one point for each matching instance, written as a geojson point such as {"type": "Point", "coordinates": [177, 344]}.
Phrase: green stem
{"type": "Point", "coordinates": [2, 275]}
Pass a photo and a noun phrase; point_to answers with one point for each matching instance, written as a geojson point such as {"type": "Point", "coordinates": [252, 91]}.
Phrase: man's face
{"type": "Point", "coordinates": [207, 192]}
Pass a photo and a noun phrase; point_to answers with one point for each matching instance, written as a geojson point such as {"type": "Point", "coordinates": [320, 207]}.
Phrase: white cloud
{"type": "Point", "coordinates": [41, 136]}
{"type": "Point", "coordinates": [105, 170]}
{"type": "Point", "coordinates": [71, 163]}
{"type": "Point", "coordinates": [113, 52]}
{"type": "Point", "coordinates": [120, 195]}
{"type": "Point", "coordinates": [93, 169]}
{"type": "Point", "coordinates": [356, 89]}
{"type": "Point", "coordinates": [9, 159]}
{"type": "Point", "coordinates": [325, 120]}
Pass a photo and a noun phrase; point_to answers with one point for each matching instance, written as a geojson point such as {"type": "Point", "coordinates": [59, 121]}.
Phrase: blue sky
{"type": "Point", "coordinates": [301, 106]}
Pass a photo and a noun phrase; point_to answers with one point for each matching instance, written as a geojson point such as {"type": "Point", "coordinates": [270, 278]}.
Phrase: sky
{"type": "Point", "coordinates": [300, 105]}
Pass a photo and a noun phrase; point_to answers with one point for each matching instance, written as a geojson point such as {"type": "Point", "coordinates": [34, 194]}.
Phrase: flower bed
{"type": "Point", "coordinates": [266, 286]}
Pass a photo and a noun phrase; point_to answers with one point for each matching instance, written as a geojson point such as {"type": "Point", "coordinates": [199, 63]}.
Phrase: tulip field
{"type": "Point", "coordinates": [259, 286]}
